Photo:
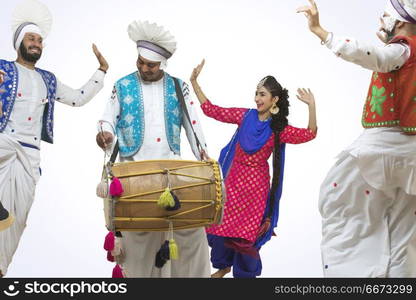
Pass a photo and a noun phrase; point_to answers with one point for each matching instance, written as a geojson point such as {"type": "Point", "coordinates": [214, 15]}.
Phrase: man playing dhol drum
{"type": "Point", "coordinates": [145, 115]}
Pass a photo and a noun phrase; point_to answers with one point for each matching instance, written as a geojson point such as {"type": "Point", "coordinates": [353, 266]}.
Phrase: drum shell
{"type": "Point", "coordinates": [198, 186]}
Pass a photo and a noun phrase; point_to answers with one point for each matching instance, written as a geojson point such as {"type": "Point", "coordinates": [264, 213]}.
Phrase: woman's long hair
{"type": "Point", "coordinates": [278, 124]}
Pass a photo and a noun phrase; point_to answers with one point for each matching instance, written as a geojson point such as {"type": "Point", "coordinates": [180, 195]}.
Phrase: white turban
{"type": "Point", "coordinates": [30, 16]}
{"type": "Point", "coordinates": [152, 56]}
{"type": "Point", "coordinates": [153, 42]}
{"type": "Point", "coordinates": [402, 10]}
{"type": "Point", "coordinates": [22, 30]}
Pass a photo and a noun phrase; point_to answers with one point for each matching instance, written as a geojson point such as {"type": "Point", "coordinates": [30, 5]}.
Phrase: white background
{"type": "Point", "coordinates": [242, 41]}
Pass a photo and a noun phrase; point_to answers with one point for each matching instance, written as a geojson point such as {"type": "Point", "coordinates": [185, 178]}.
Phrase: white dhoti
{"type": "Point", "coordinates": [17, 191]}
{"type": "Point", "coordinates": [140, 248]}
{"type": "Point", "coordinates": [368, 208]}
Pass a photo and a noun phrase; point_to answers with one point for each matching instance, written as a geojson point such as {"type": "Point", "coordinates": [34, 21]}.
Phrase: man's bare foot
{"type": "Point", "coordinates": [221, 272]}
{"type": "Point", "coordinates": [1, 274]}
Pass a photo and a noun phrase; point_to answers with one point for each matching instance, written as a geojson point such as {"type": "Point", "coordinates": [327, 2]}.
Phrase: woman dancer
{"type": "Point", "coordinates": [252, 206]}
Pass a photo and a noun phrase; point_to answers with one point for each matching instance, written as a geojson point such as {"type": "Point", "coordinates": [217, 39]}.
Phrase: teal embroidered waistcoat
{"type": "Point", "coordinates": [131, 124]}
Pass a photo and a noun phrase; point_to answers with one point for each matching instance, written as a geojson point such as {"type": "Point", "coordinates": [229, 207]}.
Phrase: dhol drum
{"type": "Point", "coordinates": [196, 184]}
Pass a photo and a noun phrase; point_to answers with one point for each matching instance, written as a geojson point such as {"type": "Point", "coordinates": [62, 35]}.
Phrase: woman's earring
{"type": "Point", "coordinates": [274, 109]}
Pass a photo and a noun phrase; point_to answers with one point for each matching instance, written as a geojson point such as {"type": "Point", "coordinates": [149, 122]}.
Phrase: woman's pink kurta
{"type": "Point", "coordinates": [248, 182]}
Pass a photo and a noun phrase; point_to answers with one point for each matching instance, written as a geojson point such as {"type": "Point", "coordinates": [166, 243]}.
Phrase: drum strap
{"type": "Point", "coordinates": [179, 94]}
{"type": "Point", "coordinates": [114, 154]}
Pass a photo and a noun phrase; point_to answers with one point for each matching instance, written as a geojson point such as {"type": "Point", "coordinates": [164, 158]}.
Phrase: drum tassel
{"type": "Point", "coordinates": [168, 200]}
{"type": "Point", "coordinates": [116, 189]}
{"type": "Point", "coordinates": [177, 203]}
{"type": "Point", "coordinates": [163, 255]}
{"type": "Point", "coordinates": [109, 241]}
{"type": "Point", "coordinates": [168, 250]}
{"type": "Point", "coordinates": [112, 244]}
{"type": "Point", "coordinates": [173, 249]}
{"type": "Point", "coordinates": [118, 272]}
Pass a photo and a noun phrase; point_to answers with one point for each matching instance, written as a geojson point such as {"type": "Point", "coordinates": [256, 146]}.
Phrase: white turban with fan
{"type": "Point", "coordinates": [153, 41]}
{"type": "Point", "coordinates": [30, 16]}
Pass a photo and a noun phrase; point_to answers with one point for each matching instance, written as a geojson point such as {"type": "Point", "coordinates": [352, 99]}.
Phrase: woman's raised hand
{"type": "Point", "coordinates": [306, 96]}
{"type": "Point", "coordinates": [197, 70]}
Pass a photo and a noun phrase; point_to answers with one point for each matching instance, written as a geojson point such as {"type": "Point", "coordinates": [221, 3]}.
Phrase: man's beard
{"type": "Point", "coordinates": [150, 77]}
{"type": "Point", "coordinates": [30, 57]}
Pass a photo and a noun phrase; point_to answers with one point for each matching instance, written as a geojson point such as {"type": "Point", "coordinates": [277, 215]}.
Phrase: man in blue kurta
{"type": "Point", "coordinates": [28, 95]}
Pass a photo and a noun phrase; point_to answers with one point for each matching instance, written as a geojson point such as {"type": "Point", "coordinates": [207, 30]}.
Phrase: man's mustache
{"type": "Point", "coordinates": [34, 47]}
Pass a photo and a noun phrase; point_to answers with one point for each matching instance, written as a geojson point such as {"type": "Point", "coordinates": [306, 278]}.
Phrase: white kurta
{"type": "Point", "coordinates": [25, 125]}
{"type": "Point", "coordinates": [368, 199]}
{"type": "Point", "coordinates": [140, 248]}
{"type": "Point", "coordinates": [25, 122]}
{"type": "Point", "coordinates": [375, 58]}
